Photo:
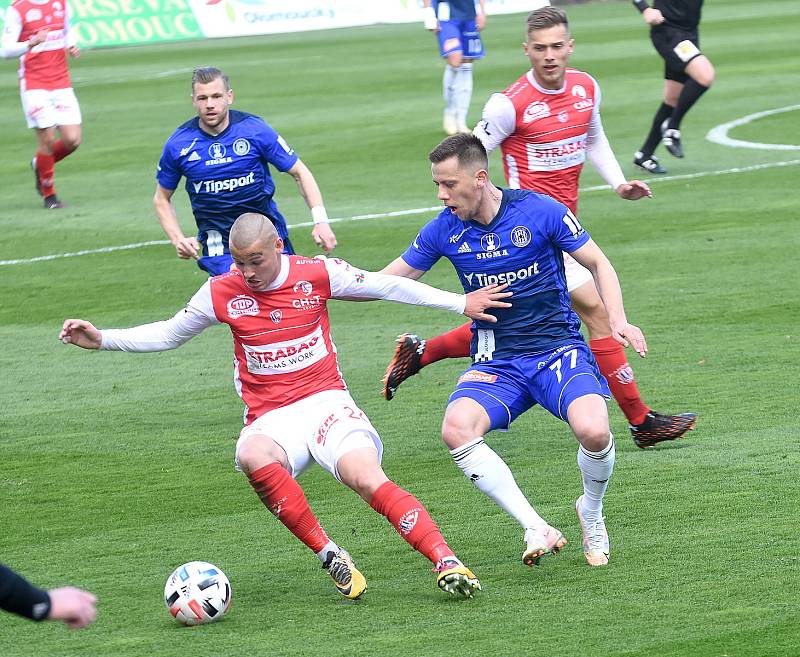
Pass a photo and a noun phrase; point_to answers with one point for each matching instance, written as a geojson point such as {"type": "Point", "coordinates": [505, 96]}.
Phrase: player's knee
{"type": "Point", "coordinates": [706, 76]}
{"type": "Point", "coordinates": [701, 70]}
{"type": "Point", "coordinates": [455, 59]}
{"type": "Point", "coordinates": [456, 432]}
{"type": "Point", "coordinates": [255, 452]}
{"type": "Point", "coordinates": [671, 98]}
{"type": "Point", "coordinates": [71, 143]}
{"type": "Point", "coordinates": [366, 483]}
{"type": "Point", "coordinates": [594, 437]}
{"type": "Point", "coordinates": [360, 469]}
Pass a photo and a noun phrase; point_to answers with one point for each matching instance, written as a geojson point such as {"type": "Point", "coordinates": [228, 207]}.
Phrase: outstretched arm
{"type": "Point", "coordinates": [348, 282]}
{"type": "Point", "coordinates": [81, 333]}
{"type": "Point", "coordinates": [73, 606]}
{"type": "Point", "coordinates": [591, 257]}
{"type": "Point", "coordinates": [399, 267]}
{"type": "Point", "coordinates": [321, 233]}
{"type": "Point", "coordinates": [158, 336]}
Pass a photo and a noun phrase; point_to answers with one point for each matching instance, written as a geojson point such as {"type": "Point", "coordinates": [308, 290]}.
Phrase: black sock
{"type": "Point", "coordinates": [654, 137]}
{"type": "Point", "coordinates": [690, 94]}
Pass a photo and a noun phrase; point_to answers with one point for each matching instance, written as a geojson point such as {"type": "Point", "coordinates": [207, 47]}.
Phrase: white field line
{"type": "Point", "coordinates": [704, 174]}
{"type": "Point", "coordinates": [719, 134]}
{"type": "Point", "coordinates": [400, 213]}
{"type": "Point", "coordinates": [74, 254]}
{"type": "Point", "coordinates": [582, 190]}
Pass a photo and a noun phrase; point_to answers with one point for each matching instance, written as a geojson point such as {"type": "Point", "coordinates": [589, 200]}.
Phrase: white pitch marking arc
{"type": "Point", "coordinates": [719, 134]}
{"type": "Point", "coordinates": [400, 213]}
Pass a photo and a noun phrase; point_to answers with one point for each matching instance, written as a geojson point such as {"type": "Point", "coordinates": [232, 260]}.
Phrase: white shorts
{"type": "Point", "coordinates": [45, 109]}
{"type": "Point", "coordinates": [322, 428]}
{"type": "Point", "coordinates": [577, 274]}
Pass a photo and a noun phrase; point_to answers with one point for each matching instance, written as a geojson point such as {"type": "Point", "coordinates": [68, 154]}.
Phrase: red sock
{"type": "Point", "coordinates": [283, 496]}
{"type": "Point", "coordinates": [614, 366]}
{"type": "Point", "coordinates": [45, 165]}
{"type": "Point", "coordinates": [60, 151]}
{"type": "Point", "coordinates": [453, 344]}
{"type": "Point", "coordinates": [411, 520]}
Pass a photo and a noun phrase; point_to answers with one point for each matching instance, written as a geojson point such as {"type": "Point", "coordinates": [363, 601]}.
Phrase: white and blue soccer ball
{"type": "Point", "coordinates": [197, 592]}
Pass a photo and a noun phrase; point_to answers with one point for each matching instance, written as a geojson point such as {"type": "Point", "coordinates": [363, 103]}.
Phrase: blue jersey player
{"type": "Point", "coordinates": [224, 155]}
{"type": "Point", "coordinates": [534, 352]}
{"type": "Point", "coordinates": [458, 25]}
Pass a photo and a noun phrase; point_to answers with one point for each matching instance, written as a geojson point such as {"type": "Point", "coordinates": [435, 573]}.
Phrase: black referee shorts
{"type": "Point", "coordinates": [677, 48]}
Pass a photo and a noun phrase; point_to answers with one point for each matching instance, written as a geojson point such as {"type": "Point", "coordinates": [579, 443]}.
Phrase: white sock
{"type": "Point", "coordinates": [330, 546]}
{"type": "Point", "coordinates": [484, 468]}
{"type": "Point", "coordinates": [448, 87]}
{"type": "Point", "coordinates": [596, 468]}
{"type": "Point", "coordinates": [462, 93]}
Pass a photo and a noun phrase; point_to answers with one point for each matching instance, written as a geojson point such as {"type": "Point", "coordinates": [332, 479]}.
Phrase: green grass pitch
{"type": "Point", "coordinates": [116, 468]}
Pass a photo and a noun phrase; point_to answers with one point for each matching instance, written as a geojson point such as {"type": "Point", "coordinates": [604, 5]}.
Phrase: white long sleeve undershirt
{"type": "Point", "coordinates": [599, 153]}
{"type": "Point", "coordinates": [10, 45]}
{"type": "Point", "coordinates": [346, 285]}
{"type": "Point", "coordinates": [347, 282]}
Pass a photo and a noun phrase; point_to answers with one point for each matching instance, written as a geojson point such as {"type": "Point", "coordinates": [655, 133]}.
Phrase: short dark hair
{"type": "Point", "coordinates": [541, 19]}
{"type": "Point", "coordinates": [466, 147]}
{"type": "Point", "coordinates": [206, 74]}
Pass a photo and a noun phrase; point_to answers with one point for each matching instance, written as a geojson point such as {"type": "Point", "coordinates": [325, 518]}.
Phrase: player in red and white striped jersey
{"type": "Point", "coordinates": [546, 125]}
{"type": "Point", "coordinates": [38, 32]}
{"type": "Point", "coordinates": [297, 408]}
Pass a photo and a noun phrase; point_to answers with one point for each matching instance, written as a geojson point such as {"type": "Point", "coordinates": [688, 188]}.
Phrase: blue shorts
{"type": "Point", "coordinates": [460, 36]}
{"type": "Point", "coordinates": [216, 265]}
{"type": "Point", "coordinates": [283, 232]}
{"type": "Point", "coordinates": [507, 388]}
{"type": "Point", "coordinates": [221, 264]}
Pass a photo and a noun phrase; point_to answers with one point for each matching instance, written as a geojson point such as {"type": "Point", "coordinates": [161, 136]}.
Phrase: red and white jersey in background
{"type": "Point", "coordinates": [544, 134]}
{"type": "Point", "coordinates": [45, 65]}
{"type": "Point", "coordinates": [281, 336]}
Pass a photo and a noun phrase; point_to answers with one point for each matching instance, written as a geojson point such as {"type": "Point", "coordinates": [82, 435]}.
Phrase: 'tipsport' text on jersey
{"type": "Point", "coordinates": [522, 246]}
{"type": "Point", "coordinates": [226, 174]}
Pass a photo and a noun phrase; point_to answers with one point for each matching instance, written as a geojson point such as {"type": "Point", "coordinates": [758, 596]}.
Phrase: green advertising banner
{"type": "Point", "coordinates": [101, 23]}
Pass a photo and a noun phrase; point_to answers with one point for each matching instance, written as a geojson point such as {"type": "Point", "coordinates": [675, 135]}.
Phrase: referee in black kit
{"type": "Point", "coordinates": [75, 607]}
{"type": "Point", "coordinates": [688, 73]}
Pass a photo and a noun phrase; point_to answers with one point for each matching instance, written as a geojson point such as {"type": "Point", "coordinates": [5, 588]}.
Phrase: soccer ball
{"type": "Point", "coordinates": [197, 592]}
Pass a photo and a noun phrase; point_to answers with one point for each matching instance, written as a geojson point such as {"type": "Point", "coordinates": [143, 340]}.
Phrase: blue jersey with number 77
{"type": "Point", "coordinates": [522, 246]}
